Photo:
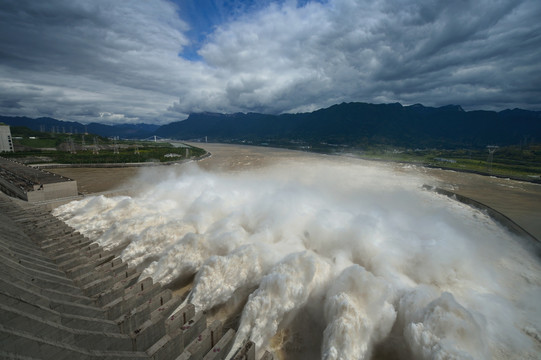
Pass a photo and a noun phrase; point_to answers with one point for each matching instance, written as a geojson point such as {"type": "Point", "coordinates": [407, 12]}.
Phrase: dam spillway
{"type": "Point", "coordinates": [382, 243]}
{"type": "Point", "coordinates": [64, 297]}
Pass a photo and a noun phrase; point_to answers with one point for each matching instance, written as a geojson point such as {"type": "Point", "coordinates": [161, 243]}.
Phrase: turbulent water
{"type": "Point", "coordinates": [338, 258]}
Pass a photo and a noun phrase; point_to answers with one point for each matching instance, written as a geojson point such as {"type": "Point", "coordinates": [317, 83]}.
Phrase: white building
{"type": "Point", "coordinates": [6, 142]}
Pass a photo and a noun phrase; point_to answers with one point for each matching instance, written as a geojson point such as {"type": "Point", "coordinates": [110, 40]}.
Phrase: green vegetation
{"type": "Point", "coordinates": [23, 131]}
{"type": "Point", "coordinates": [38, 143]}
{"type": "Point", "coordinates": [26, 139]}
{"type": "Point", "coordinates": [509, 161]}
{"type": "Point", "coordinates": [145, 153]}
{"type": "Point", "coordinates": [34, 147]}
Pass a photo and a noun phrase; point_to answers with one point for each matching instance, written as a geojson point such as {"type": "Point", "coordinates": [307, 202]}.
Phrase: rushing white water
{"type": "Point", "coordinates": [384, 268]}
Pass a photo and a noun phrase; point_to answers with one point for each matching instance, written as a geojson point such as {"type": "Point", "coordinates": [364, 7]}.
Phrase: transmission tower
{"type": "Point", "coordinates": [115, 147]}
{"type": "Point", "coordinates": [95, 149]}
{"type": "Point", "coordinates": [136, 152]}
{"type": "Point", "coordinates": [491, 150]}
{"type": "Point", "coordinates": [83, 143]}
{"type": "Point", "coordinates": [71, 145]}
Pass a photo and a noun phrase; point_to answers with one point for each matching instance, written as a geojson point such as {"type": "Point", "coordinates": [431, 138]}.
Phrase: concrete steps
{"type": "Point", "coordinates": [64, 297]}
{"type": "Point", "coordinates": [19, 344]}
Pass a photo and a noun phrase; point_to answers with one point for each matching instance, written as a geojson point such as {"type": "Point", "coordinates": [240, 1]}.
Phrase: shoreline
{"type": "Point", "coordinates": [416, 163]}
{"type": "Point", "coordinates": [208, 154]}
{"type": "Point", "coordinates": [467, 171]}
{"type": "Point", "coordinates": [446, 168]}
{"type": "Point", "coordinates": [501, 218]}
{"type": "Point", "coordinates": [120, 165]}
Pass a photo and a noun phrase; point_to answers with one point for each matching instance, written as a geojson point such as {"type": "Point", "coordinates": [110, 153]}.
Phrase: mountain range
{"type": "Point", "coordinates": [47, 124]}
{"type": "Point", "coordinates": [354, 124]}
{"type": "Point", "coordinates": [362, 124]}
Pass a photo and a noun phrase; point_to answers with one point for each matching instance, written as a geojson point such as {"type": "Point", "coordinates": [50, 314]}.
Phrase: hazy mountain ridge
{"type": "Point", "coordinates": [46, 124]}
{"type": "Point", "coordinates": [363, 124]}
{"type": "Point", "coordinates": [356, 124]}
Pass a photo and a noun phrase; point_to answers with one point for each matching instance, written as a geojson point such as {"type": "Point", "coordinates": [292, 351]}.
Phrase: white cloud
{"type": "Point", "coordinates": [75, 59]}
{"type": "Point", "coordinates": [286, 57]}
{"type": "Point", "coordinates": [112, 56]}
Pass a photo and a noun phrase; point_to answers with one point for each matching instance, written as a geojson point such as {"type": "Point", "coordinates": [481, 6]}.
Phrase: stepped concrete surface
{"type": "Point", "coordinates": [33, 184]}
{"type": "Point", "coordinates": [64, 297]}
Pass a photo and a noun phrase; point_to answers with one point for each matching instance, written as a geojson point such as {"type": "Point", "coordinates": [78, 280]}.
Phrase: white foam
{"type": "Point", "coordinates": [359, 313]}
{"type": "Point", "coordinates": [385, 264]}
{"type": "Point", "coordinates": [221, 276]}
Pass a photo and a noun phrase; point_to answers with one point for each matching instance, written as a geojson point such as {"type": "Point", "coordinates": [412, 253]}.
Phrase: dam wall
{"type": "Point", "coordinates": [34, 185]}
{"type": "Point", "coordinates": [64, 297]}
{"type": "Point", "coordinates": [494, 214]}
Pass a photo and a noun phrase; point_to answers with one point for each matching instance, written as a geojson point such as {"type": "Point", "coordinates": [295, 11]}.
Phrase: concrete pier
{"type": "Point", "coordinates": [64, 297]}
{"type": "Point", "coordinates": [34, 185]}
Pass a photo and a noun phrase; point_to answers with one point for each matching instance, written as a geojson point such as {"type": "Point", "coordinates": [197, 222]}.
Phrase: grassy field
{"type": "Point", "coordinates": [511, 162]}
{"type": "Point", "coordinates": [145, 154]}
{"type": "Point", "coordinates": [78, 149]}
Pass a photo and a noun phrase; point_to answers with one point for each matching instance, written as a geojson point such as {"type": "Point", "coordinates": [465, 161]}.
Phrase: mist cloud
{"type": "Point", "coordinates": [378, 263]}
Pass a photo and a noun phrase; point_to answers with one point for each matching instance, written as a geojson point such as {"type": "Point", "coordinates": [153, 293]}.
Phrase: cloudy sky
{"type": "Point", "coordinates": [156, 61]}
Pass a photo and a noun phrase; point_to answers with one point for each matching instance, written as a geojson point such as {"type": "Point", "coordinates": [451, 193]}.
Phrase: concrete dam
{"type": "Point", "coordinates": [375, 250]}
{"type": "Point", "coordinates": [34, 185]}
{"type": "Point", "coordinates": [64, 297]}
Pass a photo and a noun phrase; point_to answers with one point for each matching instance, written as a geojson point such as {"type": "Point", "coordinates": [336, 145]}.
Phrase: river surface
{"type": "Point", "coordinates": [518, 200]}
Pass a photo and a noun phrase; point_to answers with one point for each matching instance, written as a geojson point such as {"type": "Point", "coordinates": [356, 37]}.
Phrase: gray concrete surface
{"type": "Point", "coordinates": [63, 297]}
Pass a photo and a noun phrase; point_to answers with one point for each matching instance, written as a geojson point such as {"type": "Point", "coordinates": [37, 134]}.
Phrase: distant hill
{"type": "Point", "coordinates": [45, 124]}
{"type": "Point", "coordinates": [362, 124]}
{"type": "Point", "coordinates": [354, 124]}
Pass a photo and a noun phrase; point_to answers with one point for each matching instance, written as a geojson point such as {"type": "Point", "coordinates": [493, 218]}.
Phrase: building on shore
{"type": "Point", "coordinates": [6, 141]}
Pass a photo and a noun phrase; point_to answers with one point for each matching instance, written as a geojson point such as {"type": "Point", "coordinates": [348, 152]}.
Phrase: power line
{"type": "Point", "coordinates": [491, 150]}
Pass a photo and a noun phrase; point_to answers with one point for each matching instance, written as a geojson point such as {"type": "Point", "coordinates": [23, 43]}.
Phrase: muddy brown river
{"type": "Point", "coordinates": [520, 201]}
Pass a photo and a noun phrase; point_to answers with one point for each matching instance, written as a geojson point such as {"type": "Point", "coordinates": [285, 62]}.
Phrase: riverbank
{"type": "Point", "coordinates": [120, 165]}
{"type": "Point", "coordinates": [522, 164]}
{"type": "Point", "coordinates": [533, 179]}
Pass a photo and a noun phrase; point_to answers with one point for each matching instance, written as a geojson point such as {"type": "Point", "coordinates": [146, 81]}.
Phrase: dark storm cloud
{"type": "Point", "coordinates": [116, 56]}
{"type": "Point", "coordinates": [128, 61]}
{"type": "Point", "coordinates": [422, 51]}
{"type": "Point", "coordinates": [10, 104]}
